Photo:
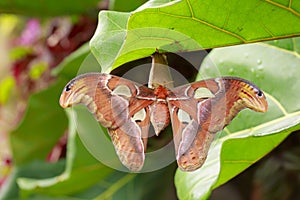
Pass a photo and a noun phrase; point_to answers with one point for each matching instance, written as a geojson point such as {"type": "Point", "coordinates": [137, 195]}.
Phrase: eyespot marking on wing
{"type": "Point", "coordinates": [122, 90]}
{"type": "Point", "coordinates": [203, 93]}
{"type": "Point", "coordinates": [140, 115]}
{"type": "Point", "coordinates": [183, 116]}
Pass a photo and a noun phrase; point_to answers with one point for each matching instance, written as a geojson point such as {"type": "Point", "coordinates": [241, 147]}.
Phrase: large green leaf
{"type": "Point", "coordinates": [251, 135]}
{"type": "Point", "coordinates": [292, 44]}
{"type": "Point", "coordinates": [188, 25]}
{"type": "Point", "coordinates": [44, 169]}
{"type": "Point", "coordinates": [81, 171]}
{"type": "Point", "coordinates": [35, 136]}
{"type": "Point", "coordinates": [137, 186]}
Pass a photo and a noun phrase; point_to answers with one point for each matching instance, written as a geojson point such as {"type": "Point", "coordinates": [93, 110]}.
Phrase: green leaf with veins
{"type": "Point", "coordinates": [250, 135]}
{"type": "Point", "coordinates": [189, 25]}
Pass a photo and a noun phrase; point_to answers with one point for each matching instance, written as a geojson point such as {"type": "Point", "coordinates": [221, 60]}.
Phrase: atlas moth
{"type": "Point", "coordinates": [127, 108]}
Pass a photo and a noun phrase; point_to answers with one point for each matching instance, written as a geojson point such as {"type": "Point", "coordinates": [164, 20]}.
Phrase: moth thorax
{"type": "Point", "coordinates": [161, 92]}
{"type": "Point", "coordinates": [160, 117]}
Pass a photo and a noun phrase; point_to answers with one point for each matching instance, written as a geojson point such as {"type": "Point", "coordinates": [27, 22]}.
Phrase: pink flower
{"type": "Point", "coordinates": [31, 33]}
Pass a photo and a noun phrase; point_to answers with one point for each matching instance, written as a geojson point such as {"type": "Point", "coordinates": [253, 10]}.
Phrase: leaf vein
{"type": "Point", "coordinates": [284, 7]}
{"type": "Point", "coordinates": [279, 105]}
{"type": "Point", "coordinates": [281, 49]}
{"type": "Point", "coordinates": [240, 161]}
{"type": "Point", "coordinates": [207, 24]}
{"type": "Point", "coordinates": [190, 8]}
{"type": "Point", "coordinates": [242, 133]}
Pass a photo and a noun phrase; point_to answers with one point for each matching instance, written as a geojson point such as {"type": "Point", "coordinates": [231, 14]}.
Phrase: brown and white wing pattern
{"type": "Point", "coordinates": [202, 108]}
{"type": "Point", "coordinates": [197, 112]}
{"type": "Point", "coordinates": [114, 103]}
